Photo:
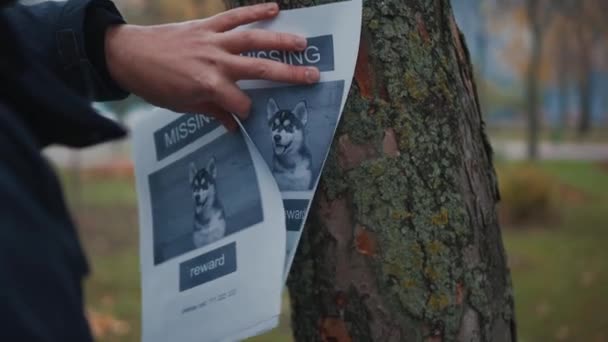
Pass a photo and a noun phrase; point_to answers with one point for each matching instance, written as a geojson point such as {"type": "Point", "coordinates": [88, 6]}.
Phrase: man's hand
{"type": "Point", "coordinates": [193, 66]}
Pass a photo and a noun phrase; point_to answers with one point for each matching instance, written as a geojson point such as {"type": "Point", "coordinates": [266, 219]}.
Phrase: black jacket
{"type": "Point", "coordinates": [51, 67]}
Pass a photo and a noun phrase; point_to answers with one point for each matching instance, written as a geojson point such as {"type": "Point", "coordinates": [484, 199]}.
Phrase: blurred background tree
{"type": "Point", "coordinates": [590, 29]}
{"type": "Point", "coordinates": [553, 52]}
{"type": "Point", "coordinates": [166, 11]}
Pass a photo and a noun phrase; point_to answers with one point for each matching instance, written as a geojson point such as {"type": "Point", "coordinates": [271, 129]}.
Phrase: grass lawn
{"type": "Point", "coordinates": [560, 270]}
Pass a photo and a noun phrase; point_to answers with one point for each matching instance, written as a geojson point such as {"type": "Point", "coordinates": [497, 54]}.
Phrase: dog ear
{"type": "Point", "coordinates": [193, 171]}
{"type": "Point", "coordinates": [211, 169]}
{"type": "Point", "coordinates": [301, 112]}
{"type": "Point", "coordinates": [271, 108]}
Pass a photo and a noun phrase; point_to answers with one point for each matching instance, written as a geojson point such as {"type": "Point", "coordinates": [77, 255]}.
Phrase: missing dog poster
{"type": "Point", "coordinates": [211, 243]}
{"type": "Point", "coordinates": [292, 127]}
{"type": "Point", "coordinates": [221, 213]}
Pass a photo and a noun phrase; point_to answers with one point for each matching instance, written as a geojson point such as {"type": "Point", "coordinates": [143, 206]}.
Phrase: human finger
{"type": "Point", "coordinates": [247, 68]}
{"type": "Point", "coordinates": [257, 39]}
{"type": "Point", "coordinates": [236, 17]}
{"type": "Point", "coordinates": [226, 119]}
{"type": "Point", "coordinates": [232, 99]}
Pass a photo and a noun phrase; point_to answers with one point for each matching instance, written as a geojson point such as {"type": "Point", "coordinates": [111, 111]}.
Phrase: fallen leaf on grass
{"type": "Point", "coordinates": [519, 262]}
{"type": "Point", "coordinates": [563, 333]}
{"type": "Point", "coordinates": [107, 301]}
{"type": "Point", "coordinates": [587, 278]}
{"type": "Point", "coordinates": [601, 337]}
{"type": "Point", "coordinates": [103, 325]}
{"type": "Point", "coordinates": [542, 309]}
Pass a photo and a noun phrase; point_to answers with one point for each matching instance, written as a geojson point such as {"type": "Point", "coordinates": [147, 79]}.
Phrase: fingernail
{"type": "Point", "coordinates": [312, 75]}
{"type": "Point", "coordinates": [301, 43]}
{"type": "Point", "coordinates": [272, 7]}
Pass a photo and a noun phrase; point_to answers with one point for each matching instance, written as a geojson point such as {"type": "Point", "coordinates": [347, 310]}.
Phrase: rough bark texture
{"type": "Point", "coordinates": [585, 99]}
{"type": "Point", "coordinates": [403, 243]}
{"type": "Point", "coordinates": [533, 75]}
{"type": "Point", "coordinates": [563, 78]}
{"type": "Point", "coordinates": [585, 86]}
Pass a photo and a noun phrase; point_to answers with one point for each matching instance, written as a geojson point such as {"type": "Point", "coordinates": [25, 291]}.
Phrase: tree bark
{"type": "Point", "coordinates": [590, 29]}
{"type": "Point", "coordinates": [532, 77]}
{"type": "Point", "coordinates": [585, 99]}
{"type": "Point", "coordinates": [563, 74]}
{"type": "Point", "coordinates": [563, 103]}
{"type": "Point", "coordinates": [403, 242]}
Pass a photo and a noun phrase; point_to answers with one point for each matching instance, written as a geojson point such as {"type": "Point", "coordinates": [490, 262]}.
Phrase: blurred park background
{"type": "Point", "coordinates": [542, 77]}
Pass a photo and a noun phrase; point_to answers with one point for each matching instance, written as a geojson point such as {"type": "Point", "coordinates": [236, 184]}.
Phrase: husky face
{"type": "Point", "coordinates": [287, 127]}
{"type": "Point", "coordinates": [292, 161]}
{"type": "Point", "coordinates": [209, 220]}
{"type": "Point", "coordinates": [202, 183]}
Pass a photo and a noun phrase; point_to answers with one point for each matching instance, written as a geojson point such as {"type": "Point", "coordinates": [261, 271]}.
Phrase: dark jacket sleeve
{"type": "Point", "coordinates": [41, 263]}
{"type": "Point", "coordinates": [67, 37]}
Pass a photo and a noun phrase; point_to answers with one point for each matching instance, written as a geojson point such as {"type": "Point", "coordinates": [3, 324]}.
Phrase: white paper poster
{"type": "Point", "coordinates": [221, 213]}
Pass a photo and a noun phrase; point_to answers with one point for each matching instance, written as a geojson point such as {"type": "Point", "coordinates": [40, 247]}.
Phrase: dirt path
{"type": "Point", "coordinates": [516, 150]}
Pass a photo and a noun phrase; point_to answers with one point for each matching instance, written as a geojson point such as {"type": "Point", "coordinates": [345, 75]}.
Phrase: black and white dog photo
{"type": "Point", "coordinates": [292, 128]}
{"type": "Point", "coordinates": [209, 218]}
{"type": "Point", "coordinates": [204, 197]}
{"type": "Point", "coordinates": [292, 161]}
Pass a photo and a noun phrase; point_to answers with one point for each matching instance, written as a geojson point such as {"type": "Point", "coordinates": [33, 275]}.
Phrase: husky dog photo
{"type": "Point", "coordinates": [292, 127]}
{"type": "Point", "coordinates": [204, 197]}
{"type": "Point", "coordinates": [209, 221]}
{"type": "Point", "coordinates": [292, 161]}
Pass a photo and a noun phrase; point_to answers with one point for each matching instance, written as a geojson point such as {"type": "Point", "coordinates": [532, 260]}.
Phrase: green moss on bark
{"type": "Point", "coordinates": [400, 199]}
{"type": "Point", "coordinates": [428, 265]}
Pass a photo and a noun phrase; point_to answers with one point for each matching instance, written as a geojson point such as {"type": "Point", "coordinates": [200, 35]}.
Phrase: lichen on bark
{"type": "Point", "coordinates": [403, 243]}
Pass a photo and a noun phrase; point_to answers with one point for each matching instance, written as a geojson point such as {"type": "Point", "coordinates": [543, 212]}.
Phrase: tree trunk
{"type": "Point", "coordinates": [563, 108]}
{"type": "Point", "coordinates": [563, 75]}
{"type": "Point", "coordinates": [481, 37]}
{"type": "Point", "coordinates": [403, 242]}
{"type": "Point", "coordinates": [532, 77]}
{"type": "Point", "coordinates": [585, 97]}
{"type": "Point", "coordinates": [588, 33]}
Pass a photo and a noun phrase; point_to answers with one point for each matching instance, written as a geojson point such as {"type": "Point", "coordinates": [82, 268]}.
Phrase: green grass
{"type": "Point", "coordinates": [587, 177]}
{"type": "Point", "coordinates": [560, 285]}
{"type": "Point", "coordinates": [98, 191]}
{"type": "Point", "coordinates": [560, 270]}
{"type": "Point", "coordinates": [107, 217]}
{"type": "Point", "coordinates": [114, 289]}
